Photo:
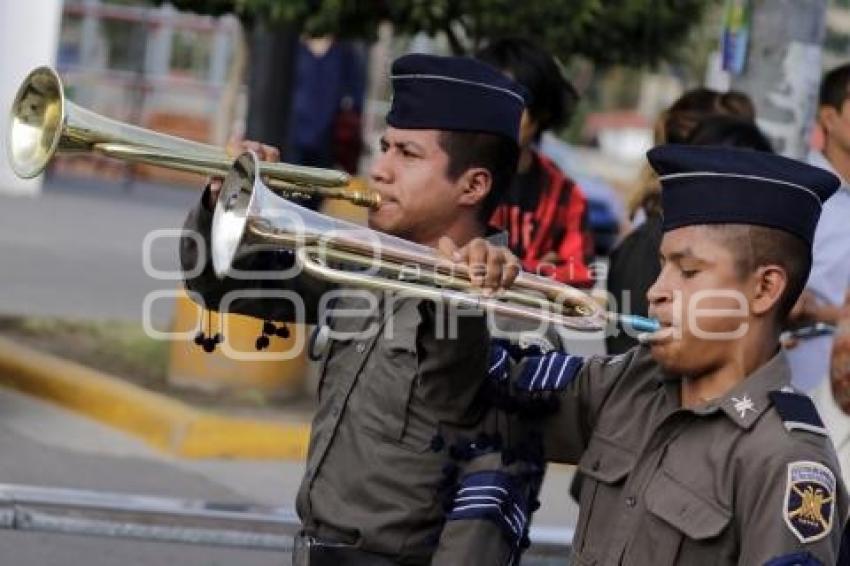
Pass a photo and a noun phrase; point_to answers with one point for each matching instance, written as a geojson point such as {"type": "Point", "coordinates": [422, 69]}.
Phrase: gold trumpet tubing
{"type": "Point", "coordinates": [553, 291]}
{"type": "Point", "coordinates": [358, 197]}
{"type": "Point", "coordinates": [526, 289]}
{"type": "Point", "coordinates": [209, 160]}
{"type": "Point", "coordinates": [400, 270]}
{"type": "Point", "coordinates": [280, 177]}
{"type": "Point", "coordinates": [451, 296]}
{"type": "Point", "coordinates": [87, 129]}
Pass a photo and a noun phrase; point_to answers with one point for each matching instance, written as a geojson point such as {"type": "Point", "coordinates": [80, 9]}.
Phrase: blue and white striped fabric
{"type": "Point", "coordinates": [550, 372]}
{"type": "Point", "coordinates": [500, 363]}
{"type": "Point", "coordinates": [493, 496]}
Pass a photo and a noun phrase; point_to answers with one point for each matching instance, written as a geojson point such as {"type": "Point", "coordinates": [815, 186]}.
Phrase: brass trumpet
{"type": "Point", "coordinates": [249, 217]}
{"type": "Point", "coordinates": [43, 122]}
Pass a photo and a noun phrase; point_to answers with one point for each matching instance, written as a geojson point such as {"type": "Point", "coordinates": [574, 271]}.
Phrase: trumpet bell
{"type": "Point", "coordinates": [230, 217]}
{"type": "Point", "coordinates": [37, 122]}
{"type": "Point", "coordinates": [246, 206]}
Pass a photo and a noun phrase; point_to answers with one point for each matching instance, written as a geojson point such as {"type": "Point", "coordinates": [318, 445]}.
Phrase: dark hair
{"type": "Point", "coordinates": [677, 125]}
{"type": "Point", "coordinates": [834, 87]}
{"type": "Point", "coordinates": [755, 246]}
{"type": "Point", "coordinates": [679, 120]}
{"type": "Point", "coordinates": [707, 100]}
{"type": "Point", "coordinates": [497, 154]}
{"type": "Point", "coordinates": [553, 97]}
{"type": "Point", "coordinates": [729, 131]}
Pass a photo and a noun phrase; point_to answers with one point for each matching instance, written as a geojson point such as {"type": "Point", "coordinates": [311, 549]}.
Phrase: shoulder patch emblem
{"type": "Point", "coordinates": [809, 500]}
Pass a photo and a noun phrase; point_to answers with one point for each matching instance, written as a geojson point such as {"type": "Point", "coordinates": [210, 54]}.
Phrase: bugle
{"type": "Point", "coordinates": [43, 122]}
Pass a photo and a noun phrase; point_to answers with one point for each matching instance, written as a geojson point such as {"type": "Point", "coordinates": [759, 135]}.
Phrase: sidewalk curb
{"type": "Point", "coordinates": [166, 424]}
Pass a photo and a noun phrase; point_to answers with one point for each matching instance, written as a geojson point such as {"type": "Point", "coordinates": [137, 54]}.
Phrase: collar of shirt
{"type": "Point", "coordinates": [818, 159]}
{"type": "Point", "coordinates": [746, 402]}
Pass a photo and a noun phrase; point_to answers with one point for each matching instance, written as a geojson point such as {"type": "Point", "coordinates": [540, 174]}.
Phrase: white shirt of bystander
{"type": "Point", "coordinates": [829, 280]}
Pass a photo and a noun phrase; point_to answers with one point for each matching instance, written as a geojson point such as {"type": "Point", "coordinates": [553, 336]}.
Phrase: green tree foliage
{"type": "Point", "coordinates": [604, 31]}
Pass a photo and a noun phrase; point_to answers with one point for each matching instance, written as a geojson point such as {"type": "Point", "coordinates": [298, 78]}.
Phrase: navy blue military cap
{"type": "Point", "coordinates": [454, 93]}
{"type": "Point", "coordinates": [720, 185]}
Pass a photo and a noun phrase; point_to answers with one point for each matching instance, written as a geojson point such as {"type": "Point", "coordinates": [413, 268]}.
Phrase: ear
{"type": "Point", "coordinates": [475, 185]}
{"type": "Point", "coordinates": [770, 282]}
{"type": "Point", "coordinates": [827, 117]}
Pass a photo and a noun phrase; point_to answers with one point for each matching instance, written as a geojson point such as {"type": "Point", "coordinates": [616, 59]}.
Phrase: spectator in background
{"type": "Point", "coordinates": [729, 131]}
{"type": "Point", "coordinates": [702, 117]}
{"type": "Point", "coordinates": [545, 213]}
{"type": "Point", "coordinates": [829, 280]}
{"type": "Point", "coordinates": [330, 80]}
{"type": "Point", "coordinates": [675, 125]}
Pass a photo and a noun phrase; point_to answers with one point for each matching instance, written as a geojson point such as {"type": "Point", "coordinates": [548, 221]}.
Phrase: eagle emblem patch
{"type": "Point", "coordinates": [809, 500]}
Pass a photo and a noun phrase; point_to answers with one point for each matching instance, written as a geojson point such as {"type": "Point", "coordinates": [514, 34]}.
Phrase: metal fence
{"type": "Point", "coordinates": [163, 519]}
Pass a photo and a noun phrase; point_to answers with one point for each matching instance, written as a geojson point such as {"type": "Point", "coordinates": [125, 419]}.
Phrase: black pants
{"type": "Point", "coordinates": [311, 552]}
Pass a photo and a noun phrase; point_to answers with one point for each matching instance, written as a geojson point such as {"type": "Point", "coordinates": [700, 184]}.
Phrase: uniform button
{"type": "Point", "coordinates": [335, 411]}
{"type": "Point", "coordinates": [360, 347]}
{"type": "Point", "coordinates": [595, 465]}
{"type": "Point", "coordinates": [631, 501]}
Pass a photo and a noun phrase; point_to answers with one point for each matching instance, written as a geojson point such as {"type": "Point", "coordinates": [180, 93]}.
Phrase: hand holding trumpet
{"type": "Point", "coordinates": [234, 147]}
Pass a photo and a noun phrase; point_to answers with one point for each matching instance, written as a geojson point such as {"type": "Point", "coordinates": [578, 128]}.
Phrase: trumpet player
{"type": "Point", "coordinates": [694, 448]}
{"type": "Point", "coordinates": [411, 459]}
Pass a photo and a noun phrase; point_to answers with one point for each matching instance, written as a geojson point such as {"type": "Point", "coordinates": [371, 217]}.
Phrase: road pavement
{"type": "Point", "coordinates": [44, 445]}
{"type": "Point", "coordinates": [76, 250]}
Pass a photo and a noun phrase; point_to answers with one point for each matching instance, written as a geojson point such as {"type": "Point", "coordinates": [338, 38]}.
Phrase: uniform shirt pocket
{"type": "Point", "coordinates": [387, 383]}
{"type": "Point", "coordinates": [606, 461]}
{"type": "Point", "coordinates": [694, 515]}
{"type": "Point", "coordinates": [605, 465]}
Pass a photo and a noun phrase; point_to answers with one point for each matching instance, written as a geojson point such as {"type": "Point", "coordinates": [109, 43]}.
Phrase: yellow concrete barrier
{"type": "Point", "coordinates": [268, 375]}
{"type": "Point", "coordinates": [164, 423]}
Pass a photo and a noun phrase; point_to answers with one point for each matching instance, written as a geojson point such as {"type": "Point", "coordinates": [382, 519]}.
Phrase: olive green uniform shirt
{"type": "Point", "coordinates": [403, 416]}
{"type": "Point", "coordinates": [731, 482]}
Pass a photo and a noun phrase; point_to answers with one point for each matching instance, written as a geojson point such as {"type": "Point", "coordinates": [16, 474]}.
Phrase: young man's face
{"type": "Point", "coordinates": [700, 300]}
{"type": "Point", "coordinates": [418, 200]}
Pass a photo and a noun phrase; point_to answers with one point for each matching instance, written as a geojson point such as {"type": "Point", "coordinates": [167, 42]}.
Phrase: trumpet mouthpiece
{"type": "Point", "coordinates": [639, 323]}
{"type": "Point", "coordinates": [365, 198]}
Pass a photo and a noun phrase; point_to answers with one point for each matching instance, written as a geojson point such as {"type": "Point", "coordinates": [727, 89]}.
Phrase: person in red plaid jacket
{"type": "Point", "coordinates": [545, 212]}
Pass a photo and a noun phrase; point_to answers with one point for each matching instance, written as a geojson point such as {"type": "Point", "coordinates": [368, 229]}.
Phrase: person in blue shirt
{"type": "Point", "coordinates": [830, 278]}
